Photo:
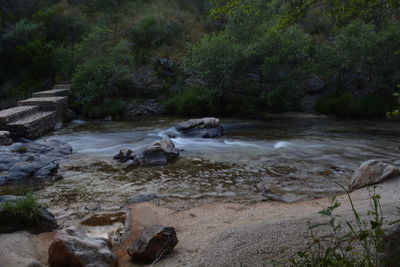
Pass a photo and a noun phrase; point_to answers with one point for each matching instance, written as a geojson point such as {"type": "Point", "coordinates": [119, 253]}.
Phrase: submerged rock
{"type": "Point", "coordinates": [32, 162]}
{"type": "Point", "coordinates": [44, 221]}
{"type": "Point", "coordinates": [159, 153]}
{"type": "Point", "coordinates": [154, 242]}
{"type": "Point", "coordinates": [73, 248]}
{"type": "Point", "coordinates": [372, 172]}
{"type": "Point", "coordinates": [206, 128]}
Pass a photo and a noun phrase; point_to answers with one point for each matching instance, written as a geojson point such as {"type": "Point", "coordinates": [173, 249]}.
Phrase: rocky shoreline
{"type": "Point", "coordinates": [146, 229]}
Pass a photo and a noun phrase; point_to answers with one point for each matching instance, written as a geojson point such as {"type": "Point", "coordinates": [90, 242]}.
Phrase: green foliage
{"type": "Point", "coordinates": [346, 243]}
{"type": "Point", "coordinates": [193, 101]}
{"type": "Point", "coordinates": [108, 107]}
{"type": "Point", "coordinates": [152, 32]}
{"type": "Point", "coordinates": [346, 105]}
{"type": "Point", "coordinates": [103, 71]}
{"type": "Point", "coordinates": [24, 211]}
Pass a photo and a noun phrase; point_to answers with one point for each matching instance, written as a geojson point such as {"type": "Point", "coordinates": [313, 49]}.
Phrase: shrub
{"type": "Point", "coordinates": [191, 102]}
{"type": "Point", "coordinates": [103, 71]}
{"type": "Point", "coordinates": [109, 107]}
{"type": "Point", "coordinates": [346, 105]}
{"type": "Point", "coordinates": [151, 32]}
{"type": "Point", "coordinates": [24, 211]}
{"type": "Point", "coordinates": [357, 243]}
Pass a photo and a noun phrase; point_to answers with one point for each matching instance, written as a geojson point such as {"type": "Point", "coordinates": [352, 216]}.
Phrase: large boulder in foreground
{"type": "Point", "coordinates": [158, 153]}
{"type": "Point", "coordinates": [40, 220]}
{"type": "Point", "coordinates": [205, 128]}
{"type": "Point", "coordinates": [34, 162]}
{"type": "Point", "coordinates": [73, 248]}
{"type": "Point", "coordinates": [372, 172]}
{"type": "Point", "coordinates": [154, 242]}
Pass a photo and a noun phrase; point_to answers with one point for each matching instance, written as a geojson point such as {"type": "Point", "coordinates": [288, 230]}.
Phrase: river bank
{"type": "Point", "coordinates": [226, 234]}
{"type": "Point", "coordinates": [220, 195]}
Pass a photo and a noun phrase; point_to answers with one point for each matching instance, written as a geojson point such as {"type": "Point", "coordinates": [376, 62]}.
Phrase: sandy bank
{"type": "Point", "coordinates": [227, 234]}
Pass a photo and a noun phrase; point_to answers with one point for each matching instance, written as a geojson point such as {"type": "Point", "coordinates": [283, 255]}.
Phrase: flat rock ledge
{"type": "Point", "coordinates": [33, 162]}
{"type": "Point", "coordinates": [372, 172]}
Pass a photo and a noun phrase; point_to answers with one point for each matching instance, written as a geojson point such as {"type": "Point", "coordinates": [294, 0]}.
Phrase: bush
{"type": "Point", "coordinates": [349, 243]}
{"type": "Point", "coordinates": [194, 101]}
{"type": "Point", "coordinates": [346, 105]}
{"type": "Point", "coordinates": [151, 32]}
{"type": "Point", "coordinates": [109, 107]}
{"type": "Point", "coordinates": [103, 72]}
{"type": "Point", "coordinates": [24, 211]}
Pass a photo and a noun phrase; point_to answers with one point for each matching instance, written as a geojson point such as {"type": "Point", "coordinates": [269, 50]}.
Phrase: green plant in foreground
{"type": "Point", "coordinates": [24, 211]}
{"type": "Point", "coordinates": [352, 243]}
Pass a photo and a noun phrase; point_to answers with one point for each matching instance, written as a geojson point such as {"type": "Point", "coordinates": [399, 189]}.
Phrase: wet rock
{"type": "Point", "coordinates": [142, 198]}
{"type": "Point", "coordinates": [12, 260]}
{"type": "Point", "coordinates": [43, 222]}
{"type": "Point", "coordinates": [104, 219]}
{"type": "Point", "coordinates": [123, 155]}
{"type": "Point", "coordinates": [154, 242]}
{"type": "Point", "coordinates": [58, 126]}
{"type": "Point", "coordinates": [32, 162]}
{"type": "Point", "coordinates": [206, 128]}
{"type": "Point", "coordinates": [73, 248]}
{"type": "Point", "coordinates": [5, 139]}
{"type": "Point", "coordinates": [159, 153]}
{"type": "Point", "coordinates": [372, 172]}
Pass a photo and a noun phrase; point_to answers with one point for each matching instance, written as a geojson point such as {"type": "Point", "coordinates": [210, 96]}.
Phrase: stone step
{"type": "Point", "coordinates": [16, 113]}
{"type": "Point", "coordinates": [46, 103]}
{"type": "Point", "coordinates": [33, 126]}
{"type": "Point", "coordinates": [51, 93]}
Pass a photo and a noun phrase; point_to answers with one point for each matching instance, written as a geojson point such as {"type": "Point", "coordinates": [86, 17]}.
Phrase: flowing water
{"type": "Point", "coordinates": [290, 158]}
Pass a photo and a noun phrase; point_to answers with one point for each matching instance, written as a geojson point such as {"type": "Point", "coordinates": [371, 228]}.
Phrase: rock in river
{"type": "Point", "coordinates": [206, 128]}
{"type": "Point", "coordinates": [154, 242]}
{"type": "Point", "coordinates": [44, 221]}
{"type": "Point", "coordinates": [159, 153]}
{"type": "Point", "coordinates": [372, 172]}
{"type": "Point", "coordinates": [32, 162]}
{"type": "Point", "coordinates": [73, 248]}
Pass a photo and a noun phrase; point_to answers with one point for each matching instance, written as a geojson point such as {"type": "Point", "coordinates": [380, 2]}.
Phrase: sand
{"type": "Point", "coordinates": [227, 234]}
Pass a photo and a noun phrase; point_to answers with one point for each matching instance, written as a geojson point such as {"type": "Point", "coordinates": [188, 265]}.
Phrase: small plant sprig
{"type": "Point", "coordinates": [361, 244]}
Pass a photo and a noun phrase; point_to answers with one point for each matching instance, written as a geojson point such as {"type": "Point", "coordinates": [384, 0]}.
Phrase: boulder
{"type": "Point", "coordinates": [12, 260]}
{"type": "Point", "coordinates": [103, 219]}
{"type": "Point", "coordinates": [154, 242]}
{"type": "Point", "coordinates": [206, 128]}
{"type": "Point", "coordinates": [123, 155]}
{"type": "Point", "coordinates": [44, 221]}
{"type": "Point", "coordinates": [372, 172]}
{"type": "Point", "coordinates": [5, 139]}
{"type": "Point", "coordinates": [32, 162]}
{"type": "Point", "coordinates": [73, 248]}
{"type": "Point", "coordinates": [159, 153]}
